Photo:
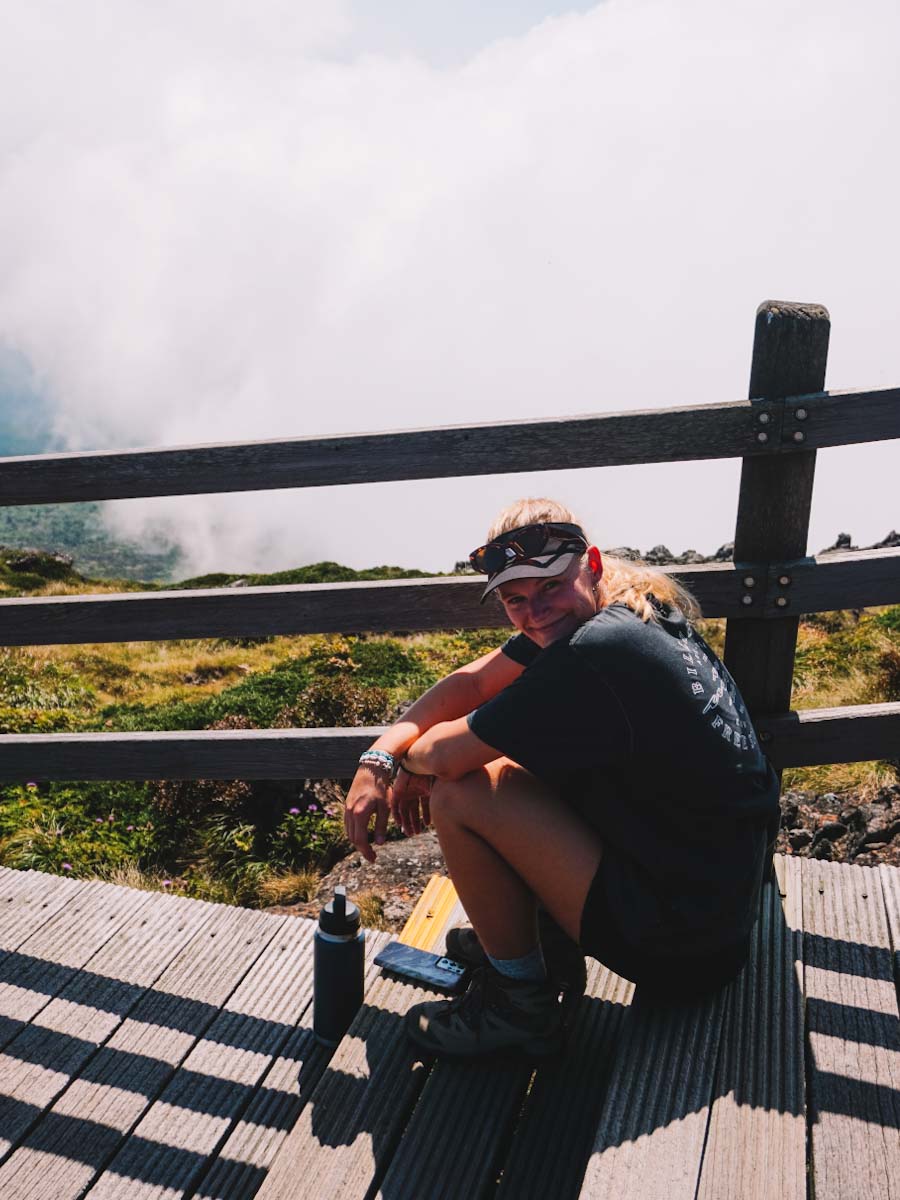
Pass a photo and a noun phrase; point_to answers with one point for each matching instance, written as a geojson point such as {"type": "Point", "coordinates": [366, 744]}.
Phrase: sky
{"type": "Point", "coordinates": [226, 221]}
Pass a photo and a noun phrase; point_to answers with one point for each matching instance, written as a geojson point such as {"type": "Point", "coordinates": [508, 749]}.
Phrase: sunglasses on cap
{"type": "Point", "coordinates": [523, 546]}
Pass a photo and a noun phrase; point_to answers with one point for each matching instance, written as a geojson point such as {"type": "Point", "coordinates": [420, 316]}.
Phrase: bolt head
{"type": "Point", "coordinates": [762, 437]}
{"type": "Point", "coordinates": [781, 601]}
{"type": "Point", "coordinates": [799, 435]}
{"type": "Point", "coordinates": [801, 414]}
{"type": "Point", "coordinates": [749, 581]}
{"type": "Point", "coordinates": [746, 599]}
{"type": "Point", "coordinates": [784, 580]}
{"type": "Point", "coordinates": [763, 418]}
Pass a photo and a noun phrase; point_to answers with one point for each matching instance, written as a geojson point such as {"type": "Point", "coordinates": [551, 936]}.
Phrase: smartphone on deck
{"type": "Point", "coordinates": [436, 970]}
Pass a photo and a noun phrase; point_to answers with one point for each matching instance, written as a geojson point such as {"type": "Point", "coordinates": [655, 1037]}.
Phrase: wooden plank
{"type": "Point", "coordinates": [346, 1135]}
{"type": "Point", "coordinates": [93, 1116]}
{"type": "Point", "coordinates": [380, 607]}
{"type": "Point", "coordinates": [854, 733]}
{"type": "Point", "coordinates": [789, 355]}
{"type": "Point", "coordinates": [756, 1144]}
{"type": "Point", "coordinates": [50, 1052]}
{"type": "Point", "coordinates": [890, 885]}
{"type": "Point", "coordinates": [649, 1141]}
{"type": "Point", "coordinates": [28, 899]}
{"type": "Point", "coordinates": [218, 1078]}
{"type": "Point", "coordinates": [829, 582]}
{"type": "Point", "coordinates": [683, 433]}
{"type": "Point", "coordinates": [853, 1033]}
{"type": "Point", "coordinates": [564, 1101]}
{"type": "Point", "coordinates": [48, 960]}
{"type": "Point", "coordinates": [603, 439]}
{"type": "Point", "coordinates": [850, 734]}
{"type": "Point", "coordinates": [844, 418]}
{"type": "Point", "coordinates": [192, 754]}
{"type": "Point", "coordinates": [244, 1159]}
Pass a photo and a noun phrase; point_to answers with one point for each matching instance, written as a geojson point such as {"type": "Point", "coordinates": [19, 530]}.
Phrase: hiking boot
{"type": "Point", "coordinates": [563, 957]}
{"type": "Point", "coordinates": [496, 1013]}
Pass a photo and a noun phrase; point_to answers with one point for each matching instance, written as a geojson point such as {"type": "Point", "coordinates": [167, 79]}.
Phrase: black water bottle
{"type": "Point", "coordinates": [337, 968]}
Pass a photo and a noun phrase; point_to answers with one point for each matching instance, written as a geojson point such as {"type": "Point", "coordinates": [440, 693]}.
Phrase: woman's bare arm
{"type": "Point", "coordinates": [449, 700]}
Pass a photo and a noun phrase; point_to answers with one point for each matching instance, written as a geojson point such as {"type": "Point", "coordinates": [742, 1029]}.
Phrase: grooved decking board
{"type": "Point", "coordinates": [853, 1033]}
{"type": "Point", "coordinates": [890, 885]}
{"type": "Point", "coordinates": [47, 960]}
{"type": "Point", "coordinates": [28, 899]}
{"type": "Point", "coordinates": [99, 1109]}
{"type": "Point", "coordinates": [649, 1141]}
{"type": "Point", "coordinates": [756, 1148]}
{"type": "Point", "coordinates": [218, 1078]}
{"type": "Point", "coordinates": [180, 1011]}
{"type": "Point", "coordinates": [463, 1116]}
{"type": "Point", "coordinates": [243, 1161]}
{"type": "Point", "coordinates": [59, 1045]}
{"type": "Point", "coordinates": [356, 1113]}
{"type": "Point", "coordinates": [563, 1105]}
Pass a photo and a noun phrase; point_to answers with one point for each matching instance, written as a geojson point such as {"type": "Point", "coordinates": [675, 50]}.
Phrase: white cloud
{"type": "Point", "coordinates": [218, 228]}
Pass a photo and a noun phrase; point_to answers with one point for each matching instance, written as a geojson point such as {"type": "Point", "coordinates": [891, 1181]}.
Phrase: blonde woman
{"type": "Point", "coordinates": [599, 768]}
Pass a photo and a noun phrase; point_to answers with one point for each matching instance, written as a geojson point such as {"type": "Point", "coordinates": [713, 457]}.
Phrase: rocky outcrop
{"type": "Point", "coordinates": [662, 556]}
{"type": "Point", "coordinates": [841, 827]}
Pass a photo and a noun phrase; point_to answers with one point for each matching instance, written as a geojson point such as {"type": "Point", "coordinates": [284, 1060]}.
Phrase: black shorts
{"type": "Point", "coordinates": [674, 977]}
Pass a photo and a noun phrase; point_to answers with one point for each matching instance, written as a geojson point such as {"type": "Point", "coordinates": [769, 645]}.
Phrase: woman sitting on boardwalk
{"type": "Point", "coordinates": [600, 768]}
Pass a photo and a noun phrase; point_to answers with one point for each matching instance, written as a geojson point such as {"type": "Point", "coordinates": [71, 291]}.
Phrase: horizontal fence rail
{"type": "Point", "coordinates": [807, 738]}
{"type": "Point", "coordinates": [831, 581]}
{"type": "Point", "coordinates": [742, 429]}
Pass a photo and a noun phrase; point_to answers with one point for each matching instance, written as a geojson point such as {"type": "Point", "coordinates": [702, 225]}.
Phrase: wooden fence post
{"type": "Point", "coordinates": [790, 350]}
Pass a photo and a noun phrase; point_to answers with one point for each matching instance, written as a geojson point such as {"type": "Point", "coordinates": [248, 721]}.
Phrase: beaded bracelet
{"type": "Point", "coordinates": [379, 758]}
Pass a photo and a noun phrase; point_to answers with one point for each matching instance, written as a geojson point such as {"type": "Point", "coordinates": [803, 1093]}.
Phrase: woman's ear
{"type": "Point", "coordinates": [595, 562]}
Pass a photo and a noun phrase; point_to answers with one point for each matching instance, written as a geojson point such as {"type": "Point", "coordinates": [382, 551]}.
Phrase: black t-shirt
{"type": "Point", "coordinates": [641, 728]}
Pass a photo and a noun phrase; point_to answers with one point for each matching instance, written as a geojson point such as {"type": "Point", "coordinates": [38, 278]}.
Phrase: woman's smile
{"type": "Point", "coordinates": [548, 609]}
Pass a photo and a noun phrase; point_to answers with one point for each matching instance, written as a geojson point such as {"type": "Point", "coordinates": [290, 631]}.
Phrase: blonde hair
{"type": "Point", "coordinates": [623, 582]}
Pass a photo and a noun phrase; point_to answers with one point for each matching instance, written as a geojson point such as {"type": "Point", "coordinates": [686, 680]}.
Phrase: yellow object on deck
{"type": "Point", "coordinates": [429, 920]}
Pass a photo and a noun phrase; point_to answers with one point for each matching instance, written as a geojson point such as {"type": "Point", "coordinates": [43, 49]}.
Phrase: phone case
{"type": "Point", "coordinates": [436, 970]}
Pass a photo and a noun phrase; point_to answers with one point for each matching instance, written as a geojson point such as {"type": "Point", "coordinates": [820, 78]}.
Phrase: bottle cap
{"type": "Point", "coordinates": [340, 916]}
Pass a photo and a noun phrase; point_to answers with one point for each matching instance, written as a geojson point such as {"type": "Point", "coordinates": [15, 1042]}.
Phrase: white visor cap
{"type": "Point", "coordinates": [544, 566]}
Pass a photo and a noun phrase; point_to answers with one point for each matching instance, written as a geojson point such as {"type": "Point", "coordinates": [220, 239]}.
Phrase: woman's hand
{"type": "Point", "coordinates": [369, 793]}
{"type": "Point", "coordinates": [409, 801]}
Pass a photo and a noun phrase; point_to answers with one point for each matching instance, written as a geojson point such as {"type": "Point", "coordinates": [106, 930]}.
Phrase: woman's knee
{"type": "Point", "coordinates": [453, 800]}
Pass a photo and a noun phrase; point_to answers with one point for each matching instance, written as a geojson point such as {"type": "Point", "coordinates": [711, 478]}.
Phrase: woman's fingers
{"type": "Point", "coordinates": [367, 795]}
{"type": "Point", "coordinates": [381, 820]}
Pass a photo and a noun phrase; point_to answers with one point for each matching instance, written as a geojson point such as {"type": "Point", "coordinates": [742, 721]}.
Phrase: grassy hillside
{"type": "Point", "coordinates": [263, 842]}
{"type": "Point", "coordinates": [78, 530]}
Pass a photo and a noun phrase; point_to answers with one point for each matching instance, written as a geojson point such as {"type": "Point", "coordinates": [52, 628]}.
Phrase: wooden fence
{"type": "Point", "coordinates": [761, 593]}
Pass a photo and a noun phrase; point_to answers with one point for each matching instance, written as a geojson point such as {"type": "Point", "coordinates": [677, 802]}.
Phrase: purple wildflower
{"type": "Point", "coordinates": [98, 820]}
{"type": "Point", "coordinates": [129, 828]}
{"type": "Point", "coordinates": [167, 883]}
{"type": "Point", "coordinates": [293, 811]}
{"type": "Point", "coordinates": [312, 808]}
{"type": "Point", "coordinates": [31, 785]}
{"type": "Point", "coordinates": [67, 866]}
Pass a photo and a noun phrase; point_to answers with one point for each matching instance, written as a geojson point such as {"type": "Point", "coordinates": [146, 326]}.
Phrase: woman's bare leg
{"type": "Point", "coordinates": [507, 839]}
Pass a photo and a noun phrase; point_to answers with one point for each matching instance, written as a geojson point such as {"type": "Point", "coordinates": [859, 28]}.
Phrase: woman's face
{"type": "Point", "coordinates": [548, 609]}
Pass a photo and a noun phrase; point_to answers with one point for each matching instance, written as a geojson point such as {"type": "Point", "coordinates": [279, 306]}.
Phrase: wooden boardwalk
{"type": "Point", "coordinates": [154, 1046]}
